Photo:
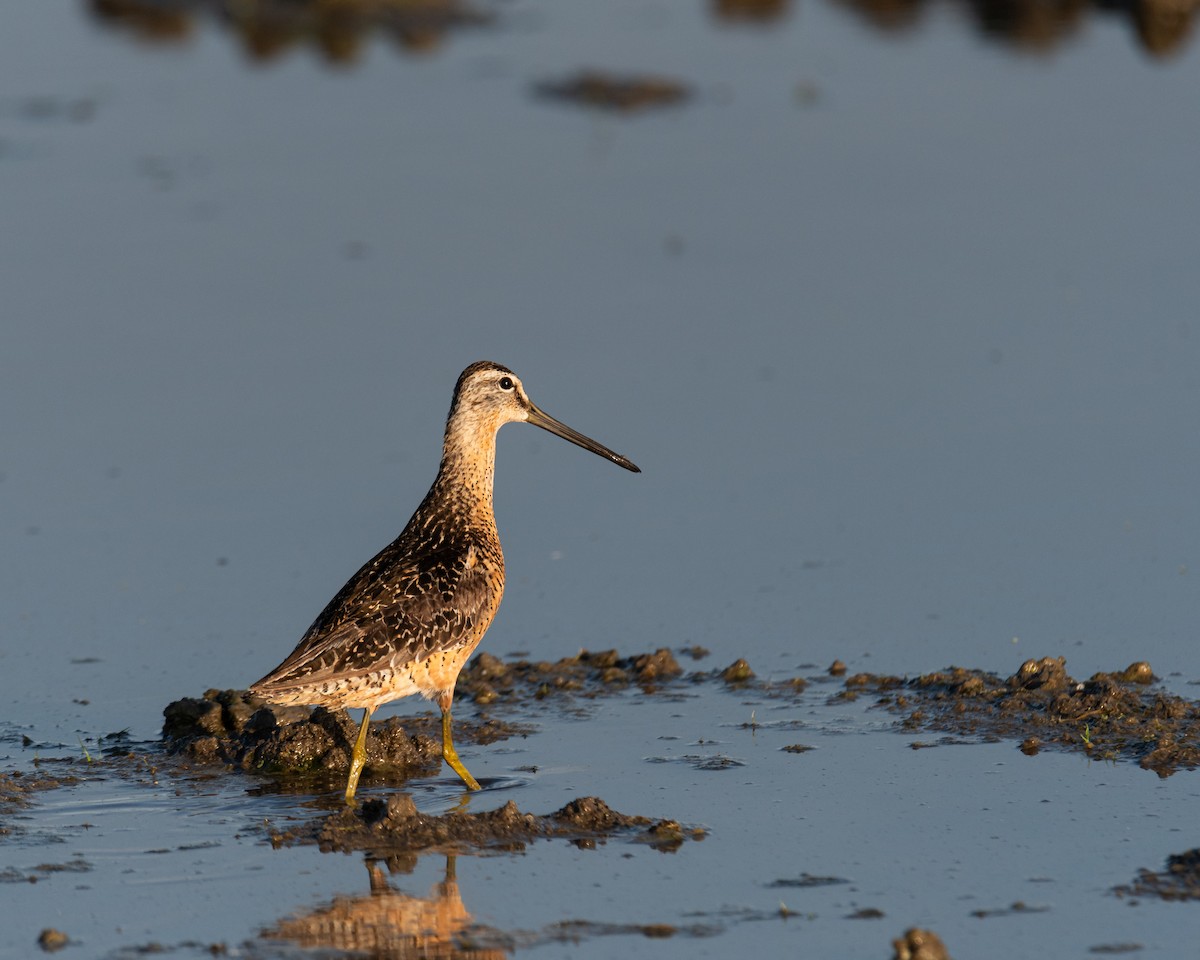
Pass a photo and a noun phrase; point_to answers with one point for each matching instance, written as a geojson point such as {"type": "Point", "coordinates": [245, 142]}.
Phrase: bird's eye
{"type": "Point", "coordinates": [506, 383]}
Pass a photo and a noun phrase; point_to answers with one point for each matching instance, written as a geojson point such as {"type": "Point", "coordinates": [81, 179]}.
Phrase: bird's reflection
{"type": "Point", "coordinates": [388, 923]}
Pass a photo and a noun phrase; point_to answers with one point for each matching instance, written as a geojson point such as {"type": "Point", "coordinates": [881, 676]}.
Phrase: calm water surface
{"type": "Point", "coordinates": [896, 312]}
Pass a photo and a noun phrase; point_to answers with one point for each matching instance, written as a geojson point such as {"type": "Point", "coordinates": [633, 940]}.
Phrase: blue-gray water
{"type": "Point", "coordinates": [901, 327]}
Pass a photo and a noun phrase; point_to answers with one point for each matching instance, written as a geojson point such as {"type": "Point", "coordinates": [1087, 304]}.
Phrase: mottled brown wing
{"type": "Point", "coordinates": [395, 610]}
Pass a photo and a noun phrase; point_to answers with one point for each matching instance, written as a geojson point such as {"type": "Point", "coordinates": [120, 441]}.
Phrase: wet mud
{"type": "Point", "coordinates": [1178, 880]}
{"type": "Point", "coordinates": [488, 679]}
{"type": "Point", "coordinates": [393, 827]}
{"type": "Point", "coordinates": [1110, 716]}
{"type": "Point", "coordinates": [18, 790]}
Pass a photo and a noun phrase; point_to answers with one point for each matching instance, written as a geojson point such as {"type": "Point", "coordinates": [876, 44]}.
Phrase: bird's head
{"type": "Point", "coordinates": [488, 395]}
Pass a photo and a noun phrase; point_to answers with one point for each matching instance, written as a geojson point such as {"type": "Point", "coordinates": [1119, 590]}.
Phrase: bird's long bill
{"type": "Point", "coordinates": [540, 418]}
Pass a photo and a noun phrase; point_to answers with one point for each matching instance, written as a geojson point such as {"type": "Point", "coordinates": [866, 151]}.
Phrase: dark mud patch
{"type": "Point", "coordinates": [1014, 909]}
{"type": "Point", "coordinates": [709, 763]}
{"type": "Point", "coordinates": [44, 870]}
{"type": "Point", "coordinates": [489, 680]}
{"type": "Point", "coordinates": [806, 880]}
{"type": "Point", "coordinates": [1111, 716]}
{"type": "Point", "coordinates": [17, 788]}
{"type": "Point", "coordinates": [572, 931]}
{"type": "Point", "coordinates": [606, 91]}
{"type": "Point", "coordinates": [1179, 880]}
{"type": "Point", "coordinates": [393, 827]}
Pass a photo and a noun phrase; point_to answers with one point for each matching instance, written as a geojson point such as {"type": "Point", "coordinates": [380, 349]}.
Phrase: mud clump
{"type": "Point", "coordinates": [51, 939]}
{"type": "Point", "coordinates": [235, 728]}
{"type": "Point", "coordinates": [919, 945]}
{"type": "Point", "coordinates": [737, 672]}
{"type": "Point", "coordinates": [1111, 716]}
{"type": "Point", "coordinates": [393, 826]}
{"type": "Point", "coordinates": [1179, 881]}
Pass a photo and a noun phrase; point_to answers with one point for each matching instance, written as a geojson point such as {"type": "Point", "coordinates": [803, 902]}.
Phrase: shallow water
{"type": "Point", "coordinates": [927, 837]}
{"type": "Point", "coordinates": [899, 325]}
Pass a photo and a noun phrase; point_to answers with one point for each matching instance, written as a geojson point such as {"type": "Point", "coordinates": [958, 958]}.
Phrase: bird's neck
{"type": "Point", "coordinates": [465, 477]}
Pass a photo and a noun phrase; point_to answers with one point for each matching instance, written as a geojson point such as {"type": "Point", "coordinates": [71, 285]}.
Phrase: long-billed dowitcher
{"type": "Point", "coordinates": [409, 620]}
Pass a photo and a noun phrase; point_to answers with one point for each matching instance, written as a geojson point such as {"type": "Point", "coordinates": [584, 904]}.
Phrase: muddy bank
{"type": "Point", "coordinates": [1110, 716]}
{"type": "Point", "coordinates": [393, 827]}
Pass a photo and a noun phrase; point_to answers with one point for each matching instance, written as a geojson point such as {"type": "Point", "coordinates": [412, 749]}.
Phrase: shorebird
{"type": "Point", "coordinates": [410, 619]}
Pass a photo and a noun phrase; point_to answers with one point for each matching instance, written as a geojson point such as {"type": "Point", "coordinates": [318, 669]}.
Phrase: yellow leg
{"type": "Point", "coordinates": [450, 754]}
{"type": "Point", "coordinates": [358, 756]}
